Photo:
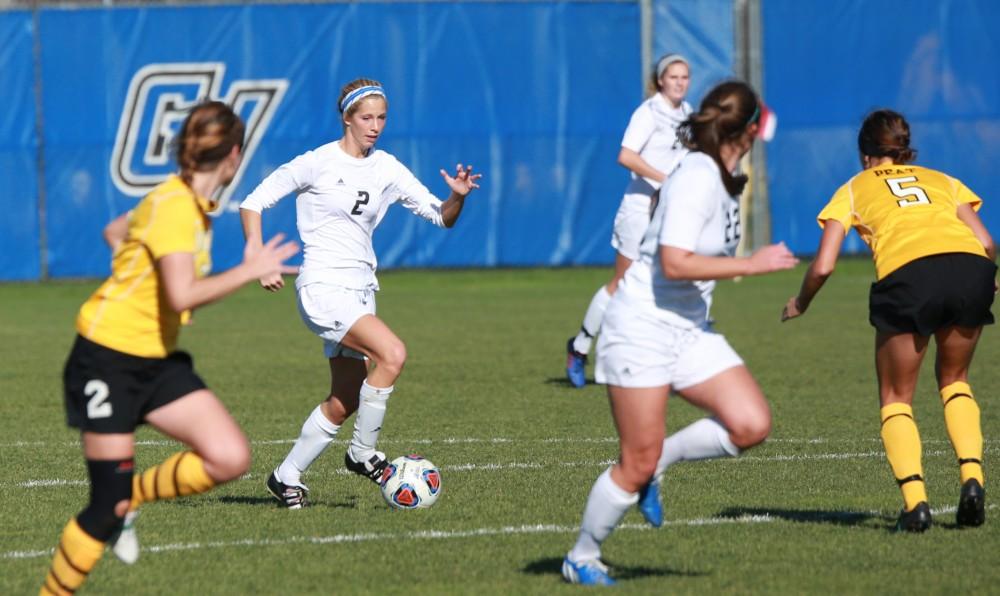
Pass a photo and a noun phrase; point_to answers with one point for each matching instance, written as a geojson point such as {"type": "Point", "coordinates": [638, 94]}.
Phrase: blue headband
{"type": "Point", "coordinates": [359, 93]}
{"type": "Point", "coordinates": [756, 115]}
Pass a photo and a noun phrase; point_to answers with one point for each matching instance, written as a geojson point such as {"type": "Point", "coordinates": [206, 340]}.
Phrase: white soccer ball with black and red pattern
{"type": "Point", "coordinates": [411, 482]}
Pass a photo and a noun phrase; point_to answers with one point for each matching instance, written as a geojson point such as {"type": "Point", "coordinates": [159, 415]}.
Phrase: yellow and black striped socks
{"type": "Point", "coordinates": [902, 447]}
{"type": "Point", "coordinates": [76, 555]}
{"type": "Point", "coordinates": [961, 416]}
{"type": "Point", "coordinates": [180, 475]}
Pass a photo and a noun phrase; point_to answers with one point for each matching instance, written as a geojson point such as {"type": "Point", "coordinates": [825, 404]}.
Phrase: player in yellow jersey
{"type": "Point", "coordinates": [935, 272]}
{"type": "Point", "coordinates": [124, 369]}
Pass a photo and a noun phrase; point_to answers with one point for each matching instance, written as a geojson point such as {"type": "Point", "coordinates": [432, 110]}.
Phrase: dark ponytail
{"type": "Point", "coordinates": [724, 115]}
{"type": "Point", "coordinates": [886, 133]}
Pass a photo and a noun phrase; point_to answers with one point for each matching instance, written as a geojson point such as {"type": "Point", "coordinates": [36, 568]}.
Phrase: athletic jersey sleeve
{"type": "Point", "coordinates": [964, 195]}
{"type": "Point", "coordinates": [640, 128]}
{"type": "Point", "coordinates": [171, 228]}
{"type": "Point", "coordinates": [688, 206]}
{"type": "Point", "coordinates": [293, 176]}
{"type": "Point", "coordinates": [838, 209]}
{"type": "Point", "coordinates": [412, 194]}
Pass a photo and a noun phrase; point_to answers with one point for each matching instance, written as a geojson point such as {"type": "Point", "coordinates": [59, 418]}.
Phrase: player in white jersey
{"type": "Point", "coordinates": [650, 150]}
{"type": "Point", "coordinates": [657, 334]}
{"type": "Point", "coordinates": [343, 190]}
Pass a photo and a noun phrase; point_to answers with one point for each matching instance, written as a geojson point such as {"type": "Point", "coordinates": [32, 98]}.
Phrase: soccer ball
{"type": "Point", "coordinates": [411, 482]}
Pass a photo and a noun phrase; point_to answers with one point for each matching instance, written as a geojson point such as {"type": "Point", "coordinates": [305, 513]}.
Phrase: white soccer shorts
{"type": "Point", "coordinates": [637, 349]}
{"type": "Point", "coordinates": [329, 311]}
{"type": "Point", "coordinates": [631, 222]}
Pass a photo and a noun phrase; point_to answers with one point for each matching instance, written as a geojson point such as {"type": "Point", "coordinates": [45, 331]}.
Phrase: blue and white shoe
{"type": "Point", "coordinates": [586, 573]}
{"type": "Point", "coordinates": [650, 504]}
{"type": "Point", "coordinates": [575, 365]}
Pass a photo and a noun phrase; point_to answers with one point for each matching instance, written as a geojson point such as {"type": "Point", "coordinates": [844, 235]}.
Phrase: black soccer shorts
{"type": "Point", "coordinates": [931, 293]}
{"type": "Point", "coordinates": [108, 391]}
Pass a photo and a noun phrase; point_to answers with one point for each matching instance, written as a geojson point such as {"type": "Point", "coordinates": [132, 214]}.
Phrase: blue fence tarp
{"type": "Point", "coordinates": [538, 106]}
{"type": "Point", "coordinates": [701, 30]}
{"type": "Point", "coordinates": [827, 65]}
{"type": "Point", "coordinates": [20, 242]}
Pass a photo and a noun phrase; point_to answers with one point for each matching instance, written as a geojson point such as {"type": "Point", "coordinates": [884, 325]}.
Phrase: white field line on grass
{"type": "Point", "coordinates": [440, 534]}
{"type": "Point", "coordinates": [421, 535]}
{"type": "Point", "coordinates": [471, 440]}
{"type": "Point", "coordinates": [491, 467]}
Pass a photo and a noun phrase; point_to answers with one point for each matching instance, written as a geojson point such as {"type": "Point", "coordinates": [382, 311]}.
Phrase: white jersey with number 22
{"type": "Point", "coordinates": [695, 213]}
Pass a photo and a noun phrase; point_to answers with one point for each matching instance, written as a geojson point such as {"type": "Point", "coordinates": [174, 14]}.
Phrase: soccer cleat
{"type": "Point", "coordinates": [586, 573]}
{"type": "Point", "coordinates": [292, 497]}
{"type": "Point", "coordinates": [971, 504]}
{"type": "Point", "coordinates": [917, 519]}
{"type": "Point", "coordinates": [650, 504]}
{"type": "Point", "coordinates": [575, 365]}
{"type": "Point", "coordinates": [125, 542]}
{"type": "Point", "coordinates": [371, 469]}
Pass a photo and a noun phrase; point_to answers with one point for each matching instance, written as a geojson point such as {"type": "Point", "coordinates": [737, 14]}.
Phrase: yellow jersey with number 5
{"type": "Point", "coordinates": [129, 313]}
{"type": "Point", "coordinates": [903, 213]}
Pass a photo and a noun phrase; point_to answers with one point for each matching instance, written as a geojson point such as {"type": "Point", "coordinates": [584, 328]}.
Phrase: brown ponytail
{"type": "Point", "coordinates": [724, 115]}
{"type": "Point", "coordinates": [886, 133]}
{"type": "Point", "coordinates": [207, 136]}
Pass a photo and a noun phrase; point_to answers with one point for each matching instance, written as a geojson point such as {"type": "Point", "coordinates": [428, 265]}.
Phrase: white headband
{"type": "Point", "coordinates": [359, 93]}
{"type": "Point", "coordinates": [667, 60]}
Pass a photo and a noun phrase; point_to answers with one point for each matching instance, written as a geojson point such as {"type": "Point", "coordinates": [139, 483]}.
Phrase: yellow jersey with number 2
{"type": "Point", "coordinates": [903, 213]}
{"type": "Point", "coordinates": [129, 313]}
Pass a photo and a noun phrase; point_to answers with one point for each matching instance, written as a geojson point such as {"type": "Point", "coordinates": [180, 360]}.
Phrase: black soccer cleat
{"type": "Point", "coordinates": [292, 497]}
{"type": "Point", "coordinates": [971, 504]}
{"type": "Point", "coordinates": [371, 469]}
{"type": "Point", "coordinates": [917, 519]}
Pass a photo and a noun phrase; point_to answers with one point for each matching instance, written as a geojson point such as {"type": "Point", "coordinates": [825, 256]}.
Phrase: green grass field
{"type": "Point", "coordinates": [483, 396]}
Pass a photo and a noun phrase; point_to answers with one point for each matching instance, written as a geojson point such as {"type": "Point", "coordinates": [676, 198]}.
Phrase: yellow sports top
{"type": "Point", "coordinates": [129, 312]}
{"type": "Point", "coordinates": [903, 213]}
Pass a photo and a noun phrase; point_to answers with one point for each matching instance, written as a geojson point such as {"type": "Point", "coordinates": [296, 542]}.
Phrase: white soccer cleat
{"type": "Point", "coordinates": [125, 544]}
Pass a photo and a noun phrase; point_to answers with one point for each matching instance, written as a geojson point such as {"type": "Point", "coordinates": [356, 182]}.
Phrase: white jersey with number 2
{"type": "Point", "coordinates": [340, 200]}
{"type": "Point", "coordinates": [695, 213]}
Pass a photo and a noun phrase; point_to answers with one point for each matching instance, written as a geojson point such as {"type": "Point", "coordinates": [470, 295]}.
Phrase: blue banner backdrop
{"type": "Point", "coordinates": [827, 65]}
{"type": "Point", "coordinates": [20, 243]}
{"type": "Point", "coordinates": [538, 105]}
{"type": "Point", "coordinates": [701, 30]}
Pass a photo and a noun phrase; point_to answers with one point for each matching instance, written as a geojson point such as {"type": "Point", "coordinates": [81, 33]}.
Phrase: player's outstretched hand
{"type": "Point", "coordinates": [463, 181]}
{"type": "Point", "coordinates": [792, 309]}
{"type": "Point", "coordinates": [266, 263]}
{"type": "Point", "coordinates": [773, 257]}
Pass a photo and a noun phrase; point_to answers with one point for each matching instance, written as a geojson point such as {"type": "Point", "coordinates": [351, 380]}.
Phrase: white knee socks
{"type": "Point", "coordinates": [703, 439]}
{"type": "Point", "coordinates": [592, 320]}
{"type": "Point", "coordinates": [317, 432]}
{"type": "Point", "coordinates": [605, 507]}
{"type": "Point", "coordinates": [368, 424]}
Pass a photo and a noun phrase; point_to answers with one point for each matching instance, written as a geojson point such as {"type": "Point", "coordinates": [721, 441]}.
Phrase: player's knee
{"type": "Point", "coordinates": [751, 430]}
{"type": "Point", "coordinates": [638, 466]}
{"type": "Point", "coordinates": [394, 358]}
{"type": "Point", "coordinates": [111, 486]}
{"type": "Point", "coordinates": [228, 460]}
